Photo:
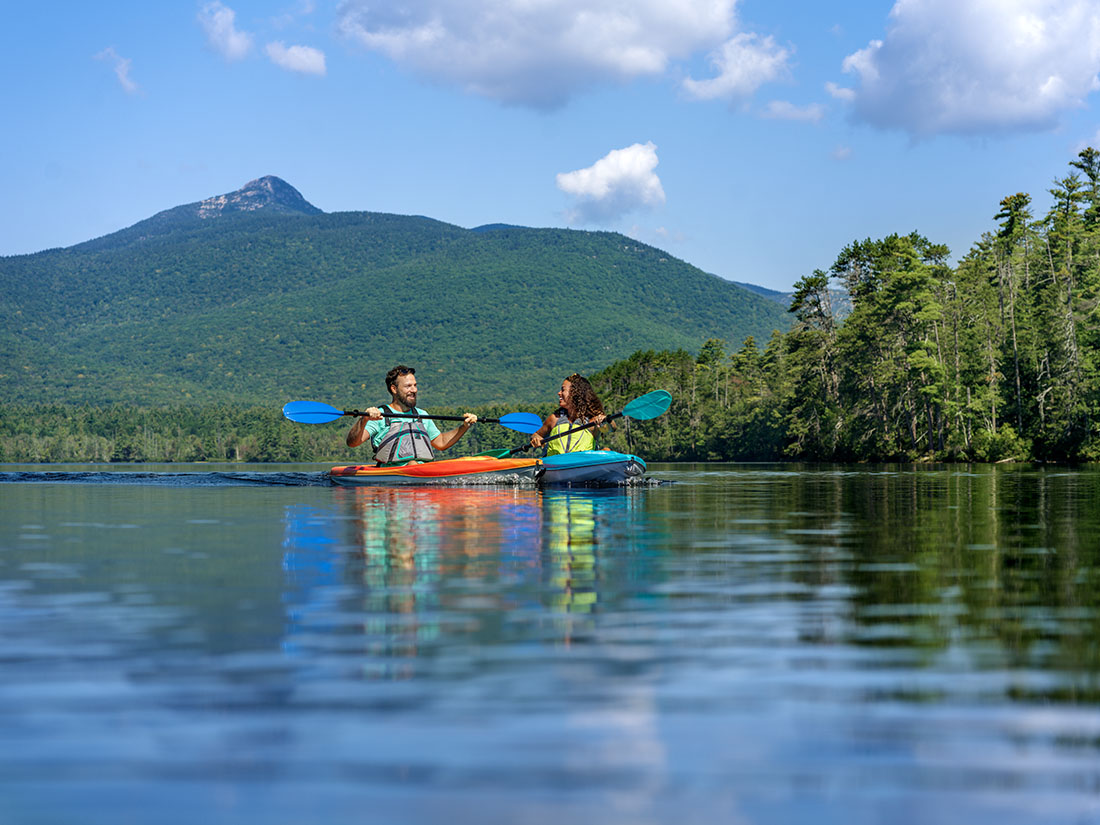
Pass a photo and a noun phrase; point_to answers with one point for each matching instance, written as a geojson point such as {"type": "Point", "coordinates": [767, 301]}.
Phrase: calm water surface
{"type": "Point", "coordinates": [746, 644]}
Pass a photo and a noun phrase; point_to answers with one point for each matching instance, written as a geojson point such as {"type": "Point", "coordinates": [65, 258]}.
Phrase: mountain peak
{"type": "Point", "coordinates": [268, 192]}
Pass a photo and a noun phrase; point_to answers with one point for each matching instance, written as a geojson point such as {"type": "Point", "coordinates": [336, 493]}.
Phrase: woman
{"type": "Point", "coordinates": [578, 406]}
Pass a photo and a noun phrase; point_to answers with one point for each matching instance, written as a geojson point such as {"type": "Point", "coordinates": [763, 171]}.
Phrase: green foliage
{"type": "Point", "coordinates": [997, 359]}
{"type": "Point", "coordinates": [259, 308]}
{"type": "Point", "coordinates": [1003, 445]}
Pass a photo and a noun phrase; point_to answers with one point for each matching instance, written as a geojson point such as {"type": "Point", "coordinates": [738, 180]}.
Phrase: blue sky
{"type": "Point", "coordinates": [753, 139]}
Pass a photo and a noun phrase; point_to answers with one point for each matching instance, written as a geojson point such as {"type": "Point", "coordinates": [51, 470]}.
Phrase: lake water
{"type": "Point", "coordinates": [743, 644]}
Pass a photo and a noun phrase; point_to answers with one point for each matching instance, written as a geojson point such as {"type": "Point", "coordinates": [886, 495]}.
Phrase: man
{"type": "Point", "coordinates": [405, 440]}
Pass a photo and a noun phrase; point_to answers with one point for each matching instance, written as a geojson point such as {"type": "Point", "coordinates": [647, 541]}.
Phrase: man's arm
{"type": "Point", "coordinates": [358, 432]}
{"type": "Point", "coordinates": [446, 440]}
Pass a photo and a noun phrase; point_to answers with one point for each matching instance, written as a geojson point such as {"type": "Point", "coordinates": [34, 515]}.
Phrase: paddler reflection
{"type": "Point", "coordinates": [433, 552]}
{"type": "Point", "coordinates": [584, 530]}
{"type": "Point", "coordinates": [581, 530]}
{"type": "Point", "coordinates": [571, 534]}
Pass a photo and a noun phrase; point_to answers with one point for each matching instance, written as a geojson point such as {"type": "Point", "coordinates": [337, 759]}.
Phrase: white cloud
{"type": "Point", "coordinates": [743, 64]}
{"type": "Point", "coordinates": [537, 52]}
{"type": "Point", "coordinates": [121, 68]}
{"type": "Point", "coordinates": [219, 23]}
{"type": "Point", "coordinates": [620, 182]}
{"type": "Point", "coordinates": [783, 110]}
{"type": "Point", "coordinates": [842, 153]}
{"type": "Point", "coordinates": [304, 59]}
{"type": "Point", "coordinates": [840, 92]}
{"type": "Point", "coordinates": [977, 66]}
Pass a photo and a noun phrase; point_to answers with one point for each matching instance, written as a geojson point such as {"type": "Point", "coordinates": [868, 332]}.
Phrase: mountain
{"type": "Point", "coordinates": [771, 294]}
{"type": "Point", "coordinates": [840, 300]}
{"type": "Point", "coordinates": [269, 194]}
{"type": "Point", "coordinates": [259, 297]}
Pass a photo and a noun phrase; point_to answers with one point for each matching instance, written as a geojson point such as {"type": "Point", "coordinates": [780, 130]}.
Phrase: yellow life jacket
{"type": "Point", "coordinates": [572, 443]}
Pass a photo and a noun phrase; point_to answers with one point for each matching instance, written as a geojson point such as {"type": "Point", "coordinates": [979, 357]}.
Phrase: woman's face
{"type": "Point", "coordinates": [563, 394]}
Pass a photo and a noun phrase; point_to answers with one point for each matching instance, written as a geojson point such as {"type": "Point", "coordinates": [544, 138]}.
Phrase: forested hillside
{"type": "Point", "coordinates": [261, 305]}
{"type": "Point", "coordinates": [997, 358]}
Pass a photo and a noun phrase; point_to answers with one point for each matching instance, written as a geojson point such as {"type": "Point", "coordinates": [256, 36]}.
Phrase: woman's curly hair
{"type": "Point", "coordinates": [582, 398]}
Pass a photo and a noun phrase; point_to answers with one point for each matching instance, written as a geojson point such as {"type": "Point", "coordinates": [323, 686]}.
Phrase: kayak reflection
{"type": "Point", "coordinates": [430, 561]}
{"type": "Point", "coordinates": [422, 573]}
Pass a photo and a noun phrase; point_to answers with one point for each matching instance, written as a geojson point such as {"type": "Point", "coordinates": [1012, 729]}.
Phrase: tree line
{"type": "Point", "coordinates": [215, 433]}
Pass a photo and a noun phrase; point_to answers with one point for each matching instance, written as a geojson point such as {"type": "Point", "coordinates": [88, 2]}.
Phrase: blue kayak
{"type": "Point", "coordinates": [589, 467]}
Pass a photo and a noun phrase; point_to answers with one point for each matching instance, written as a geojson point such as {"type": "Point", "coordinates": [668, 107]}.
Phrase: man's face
{"type": "Point", "coordinates": [404, 390]}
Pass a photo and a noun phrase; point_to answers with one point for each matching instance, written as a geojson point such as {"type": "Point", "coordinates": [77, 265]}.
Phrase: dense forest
{"type": "Point", "coordinates": [993, 359]}
{"type": "Point", "coordinates": [996, 358]}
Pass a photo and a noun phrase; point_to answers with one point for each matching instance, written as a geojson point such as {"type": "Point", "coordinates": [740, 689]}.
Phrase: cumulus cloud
{"type": "Point", "coordinates": [304, 59]}
{"type": "Point", "coordinates": [742, 65]}
{"type": "Point", "coordinates": [536, 52]}
{"type": "Point", "coordinates": [122, 69]}
{"type": "Point", "coordinates": [784, 110]}
{"type": "Point", "coordinates": [620, 182]}
{"type": "Point", "coordinates": [219, 22]}
{"type": "Point", "coordinates": [977, 66]}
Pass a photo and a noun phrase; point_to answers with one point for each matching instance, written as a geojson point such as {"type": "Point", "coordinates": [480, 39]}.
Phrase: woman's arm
{"type": "Point", "coordinates": [540, 434]}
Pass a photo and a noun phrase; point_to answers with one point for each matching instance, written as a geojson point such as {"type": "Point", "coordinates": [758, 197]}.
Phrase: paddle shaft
{"type": "Point", "coordinates": [524, 447]}
{"type": "Point", "coordinates": [643, 408]}
{"type": "Point", "coordinates": [386, 414]}
{"type": "Point", "coordinates": [580, 427]}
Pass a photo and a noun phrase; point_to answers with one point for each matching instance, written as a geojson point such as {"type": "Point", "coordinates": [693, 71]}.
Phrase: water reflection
{"type": "Point", "coordinates": [420, 564]}
{"type": "Point", "coordinates": [988, 570]}
{"type": "Point", "coordinates": [750, 643]}
{"type": "Point", "coordinates": [572, 548]}
{"type": "Point", "coordinates": [430, 561]}
{"type": "Point", "coordinates": [981, 569]}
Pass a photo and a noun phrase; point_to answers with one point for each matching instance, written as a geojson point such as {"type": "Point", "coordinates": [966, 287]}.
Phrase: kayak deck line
{"type": "Point", "coordinates": [435, 472]}
{"type": "Point", "coordinates": [587, 468]}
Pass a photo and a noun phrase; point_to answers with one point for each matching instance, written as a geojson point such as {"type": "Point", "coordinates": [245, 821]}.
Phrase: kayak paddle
{"type": "Point", "coordinates": [317, 412]}
{"type": "Point", "coordinates": [642, 408]}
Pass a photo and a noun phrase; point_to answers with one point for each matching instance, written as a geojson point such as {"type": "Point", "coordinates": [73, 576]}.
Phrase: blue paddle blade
{"type": "Point", "coordinates": [648, 406]}
{"type": "Point", "coordinates": [521, 422]}
{"type": "Point", "coordinates": [311, 412]}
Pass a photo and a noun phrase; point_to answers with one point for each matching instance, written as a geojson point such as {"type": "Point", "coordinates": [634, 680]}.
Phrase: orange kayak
{"type": "Point", "coordinates": [475, 468]}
